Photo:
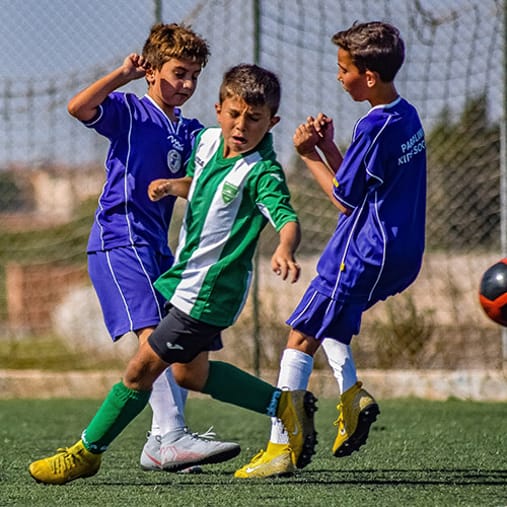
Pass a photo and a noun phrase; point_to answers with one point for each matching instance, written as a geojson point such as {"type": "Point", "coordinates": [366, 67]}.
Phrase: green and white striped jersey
{"type": "Point", "coordinates": [229, 203]}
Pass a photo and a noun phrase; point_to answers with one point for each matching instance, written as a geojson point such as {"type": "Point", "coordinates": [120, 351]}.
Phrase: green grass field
{"type": "Point", "coordinates": [419, 453]}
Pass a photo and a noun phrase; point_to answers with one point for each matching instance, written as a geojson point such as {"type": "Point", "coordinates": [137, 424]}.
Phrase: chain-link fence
{"type": "Point", "coordinates": [51, 167]}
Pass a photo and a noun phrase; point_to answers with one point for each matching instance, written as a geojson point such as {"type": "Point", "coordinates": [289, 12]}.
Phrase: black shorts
{"type": "Point", "coordinates": [179, 338]}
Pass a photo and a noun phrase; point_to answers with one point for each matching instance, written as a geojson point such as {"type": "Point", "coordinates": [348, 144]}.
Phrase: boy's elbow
{"type": "Point", "coordinates": [72, 108]}
{"type": "Point", "coordinates": [77, 110]}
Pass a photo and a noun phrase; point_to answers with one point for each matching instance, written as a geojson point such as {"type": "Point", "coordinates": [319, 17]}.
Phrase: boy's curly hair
{"type": "Point", "coordinates": [174, 41]}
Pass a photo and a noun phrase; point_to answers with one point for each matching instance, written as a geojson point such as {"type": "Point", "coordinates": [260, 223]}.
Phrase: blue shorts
{"type": "Point", "coordinates": [322, 317]}
{"type": "Point", "coordinates": [123, 280]}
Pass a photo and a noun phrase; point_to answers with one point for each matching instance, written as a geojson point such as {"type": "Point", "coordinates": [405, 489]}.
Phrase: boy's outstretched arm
{"type": "Point", "coordinates": [163, 187]}
{"type": "Point", "coordinates": [84, 104]}
{"type": "Point", "coordinates": [283, 262]}
{"type": "Point", "coordinates": [306, 140]}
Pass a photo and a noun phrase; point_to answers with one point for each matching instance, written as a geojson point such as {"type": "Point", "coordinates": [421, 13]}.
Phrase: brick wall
{"type": "Point", "coordinates": [34, 290]}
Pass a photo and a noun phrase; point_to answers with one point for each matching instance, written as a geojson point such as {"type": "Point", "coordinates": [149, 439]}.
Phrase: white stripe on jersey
{"type": "Point", "coordinates": [219, 221]}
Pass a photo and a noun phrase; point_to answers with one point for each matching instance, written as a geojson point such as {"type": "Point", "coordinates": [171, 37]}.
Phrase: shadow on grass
{"type": "Point", "coordinates": [391, 477]}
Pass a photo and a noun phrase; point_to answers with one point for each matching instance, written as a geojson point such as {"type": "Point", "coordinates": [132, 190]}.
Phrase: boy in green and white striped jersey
{"type": "Point", "coordinates": [234, 186]}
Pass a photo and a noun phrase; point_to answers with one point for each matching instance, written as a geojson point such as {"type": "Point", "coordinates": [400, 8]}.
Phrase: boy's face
{"type": "Point", "coordinates": [243, 126]}
{"type": "Point", "coordinates": [174, 83]}
{"type": "Point", "coordinates": [353, 82]}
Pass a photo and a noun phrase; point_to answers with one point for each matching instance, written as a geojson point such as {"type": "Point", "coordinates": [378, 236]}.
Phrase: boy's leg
{"type": "Point", "coordinates": [167, 401]}
{"type": "Point", "coordinates": [123, 403]}
{"type": "Point", "coordinates": [294, 408]}
{"type": "Point", "coordinates": [123, 280]}
{"type": "Point", "coordinates": [167, 398]}
{"type": "Point", "coordinates": [170, 445]}
{"type": "Point", "coordinates": [178, 447]}
{"type": "Point", "coordinates": [357, 409]}
{"type": "Point", "coordinates": [295, 370]}
{"type": "Point", "coordinates": [339, 357]}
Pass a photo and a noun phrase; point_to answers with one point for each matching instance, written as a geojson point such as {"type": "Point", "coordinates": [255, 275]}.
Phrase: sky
{"type": "Point", "coordinates": [58, 44]}
{"type": "Point", "coordinates": [40, 37]}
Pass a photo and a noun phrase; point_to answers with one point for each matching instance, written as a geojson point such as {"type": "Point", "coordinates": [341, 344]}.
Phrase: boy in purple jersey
{"type": "Point", "coordinates": [376, 251]}
{"type": "Point", "coordinates": [128, 244]}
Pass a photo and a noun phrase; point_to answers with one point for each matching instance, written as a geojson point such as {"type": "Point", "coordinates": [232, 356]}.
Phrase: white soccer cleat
{"type": "Point", "coordinates": [180, 449]}
{"type": "Point", "coordinates": [150, 457]}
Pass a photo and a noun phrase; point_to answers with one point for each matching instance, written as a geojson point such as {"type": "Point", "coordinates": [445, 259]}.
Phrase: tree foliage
{"type": "Point", "coordinates": [464, 179]}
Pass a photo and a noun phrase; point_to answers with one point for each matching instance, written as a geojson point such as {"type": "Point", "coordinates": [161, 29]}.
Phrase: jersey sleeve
{"type": "Point", "coordinates": [360, 170]}
{"type": "Point", "coordinates": [273, 196]}
{"type": "Point", "coordinates": [112, 118]}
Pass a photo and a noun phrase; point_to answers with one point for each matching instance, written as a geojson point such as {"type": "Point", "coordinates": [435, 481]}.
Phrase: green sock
{"type": "Point", "coordinates": [118, 409]}
{"type": "Point", "coordinates": [232, 385]}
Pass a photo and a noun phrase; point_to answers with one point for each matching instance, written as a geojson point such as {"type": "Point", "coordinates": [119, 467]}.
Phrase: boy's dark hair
{"type": "Point", "coordinates": [174, 41]}
{"type": "Point", "coordinates": [255, 85]}
{"type": "Point", "coordinates": [374, 46]}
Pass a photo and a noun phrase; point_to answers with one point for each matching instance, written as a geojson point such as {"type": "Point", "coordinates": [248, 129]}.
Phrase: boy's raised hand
{"type": "Point", "coordinates": [305, 138]}
{"type": "Point", "coordinates": [135, 66]}
{"type": "Point", "coordinates": [324, 127]}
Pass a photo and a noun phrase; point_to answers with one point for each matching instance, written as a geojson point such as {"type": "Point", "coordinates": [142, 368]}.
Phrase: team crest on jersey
{"type": "Point", "coordinates": [174, 161]}
{"type": "Point", "coordinates": [229, 192]}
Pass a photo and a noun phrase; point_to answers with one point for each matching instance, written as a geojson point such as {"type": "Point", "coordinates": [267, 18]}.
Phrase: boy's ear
{"type": "Point", "coordinates": [150, 75]}
{"type": "Point", "coordinates": [274, 121]}
{"type": "Point", "coordinates": [218, 108]}
{"type": "Point", "coordinates": [371, 78]}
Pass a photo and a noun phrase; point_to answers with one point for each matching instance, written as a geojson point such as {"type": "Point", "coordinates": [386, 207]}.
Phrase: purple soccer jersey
{"type": "Point", "coordinates": [144, 145]}
{"type": "Point", "coordinates": [128, 244]}
{"type": "Point", "coordinates": [377, 250]}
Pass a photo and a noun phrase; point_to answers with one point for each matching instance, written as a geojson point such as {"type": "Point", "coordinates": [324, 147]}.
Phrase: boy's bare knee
{"type": "Point", "coordinates": [143, 369]}
{"type": "Point", "coordinates": [185, 378]}
{"type": "Point", "coordinates": [191, 375]}
{"type": "Point", "coordinates": [179, 375]}
{"type": "Point", "coordinates": [302, 342]}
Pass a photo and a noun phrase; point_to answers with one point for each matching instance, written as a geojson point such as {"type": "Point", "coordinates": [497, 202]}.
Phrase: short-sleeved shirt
{"type": "Point", "coordinates": [377, 250]}
{"type": "Point", "coordinates": [229, 203]}
{"type": "Point", "coordinates": [144, 145]}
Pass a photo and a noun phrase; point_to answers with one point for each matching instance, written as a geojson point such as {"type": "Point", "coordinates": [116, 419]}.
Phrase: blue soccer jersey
{"type": "Point", "coordinates": [144, 145]}
{"type": "Point", "coordinates": [377, 250]}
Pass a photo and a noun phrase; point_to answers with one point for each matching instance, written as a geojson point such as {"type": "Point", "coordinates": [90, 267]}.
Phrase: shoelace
{"type": "Point", "coordinates": [256, 458]}
{"type": "Point", "coordinates": [339, 420]}
{"type": "Point", "coordinates": [209, 434]}
{"type": "Point", "coordinates": [64, 460]}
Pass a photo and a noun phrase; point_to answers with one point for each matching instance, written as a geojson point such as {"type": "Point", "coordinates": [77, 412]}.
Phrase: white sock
{"type": "Point", "coordinates": [339, 357]}
{"type": "Point", "coordinates": [167, 402]}
{"type": "Point", "coordinates": [295, 370]}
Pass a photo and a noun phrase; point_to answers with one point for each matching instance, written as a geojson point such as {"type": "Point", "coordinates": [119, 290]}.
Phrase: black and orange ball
{"type": "Point", "coordinates": [493, 292]}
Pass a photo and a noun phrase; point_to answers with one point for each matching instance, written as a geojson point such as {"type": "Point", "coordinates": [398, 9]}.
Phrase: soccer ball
{"type": "Point", "coordinates": [493, 292]}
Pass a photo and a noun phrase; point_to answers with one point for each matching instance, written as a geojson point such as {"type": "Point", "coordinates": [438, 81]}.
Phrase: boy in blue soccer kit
{"type": "Point", "coordinates": [149, 138]}
{"type": "Point", "coordinates": [234, 186]}
{"type": "Point", "coordinates": [376, 251]}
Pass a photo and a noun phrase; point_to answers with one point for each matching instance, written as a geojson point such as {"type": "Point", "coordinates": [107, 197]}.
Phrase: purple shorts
{"type": "Point", "coordinates": [322, 317]}
{"type": "Point", "coordinates": [123, 280]}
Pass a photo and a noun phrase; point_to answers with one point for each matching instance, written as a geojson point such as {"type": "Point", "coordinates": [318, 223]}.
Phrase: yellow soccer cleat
{"type": "Point", "coordinates": [358, 410]}
{"type": "Point", "coordinates": [276, 461]}
{"type": "Point", "coordinates": [296, 410]}
{"type": "Point", "coordinates": [66, 465]}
